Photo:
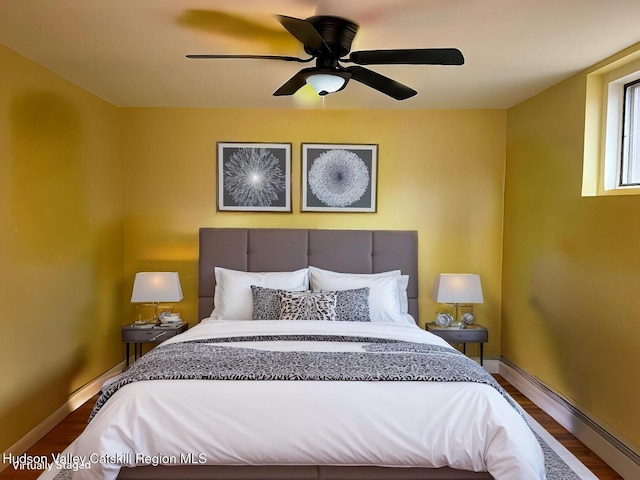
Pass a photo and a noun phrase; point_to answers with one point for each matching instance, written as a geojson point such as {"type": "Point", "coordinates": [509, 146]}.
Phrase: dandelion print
{"type": "Point", "coordinates": [338, 178]}
{"type": "Point", "coordinates": [253, 177]}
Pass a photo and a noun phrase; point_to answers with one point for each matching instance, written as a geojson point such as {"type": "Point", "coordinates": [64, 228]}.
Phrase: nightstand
{"type": "Point", "coordinates": [139, 334]}
{"type": "Point", "coordinates": [469, 334]}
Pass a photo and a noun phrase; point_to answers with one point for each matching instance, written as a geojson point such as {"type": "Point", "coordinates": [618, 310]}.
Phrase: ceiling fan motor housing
{"type": "Point", "coordinates": [337, 32]}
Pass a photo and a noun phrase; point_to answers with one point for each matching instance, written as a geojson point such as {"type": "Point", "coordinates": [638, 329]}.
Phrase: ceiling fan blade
{"type": "Point", "coordinates": [417, 56]}
{"type": "Point", "coordinates": [381, 83]}
{"type": "Point", "coordinates": [255, 57]}
{"type": "Point", "coordinates": [294, 84]}
{"type": "Point", "coordinates": [304, 32]}
{"type": "Point", "coordinates": [241, 27]}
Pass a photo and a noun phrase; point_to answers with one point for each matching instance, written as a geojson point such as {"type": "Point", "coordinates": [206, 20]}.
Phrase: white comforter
{"type": "Point", "coordinates": [430, 424]}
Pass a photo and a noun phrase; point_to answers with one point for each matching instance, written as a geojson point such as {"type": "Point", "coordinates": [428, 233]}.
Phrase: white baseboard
{"type": "Point", "coordinates": [77, 398]}
{"type": "Point", "coordinates": [611, 450]}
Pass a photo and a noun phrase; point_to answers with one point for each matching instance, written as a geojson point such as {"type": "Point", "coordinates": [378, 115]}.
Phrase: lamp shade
{"type": "Point", "coordinates": [457, 288]}
{"type": "Point", "coordinates": [324, 83]}
{"type": "Point", "coordinates": [155, 287]}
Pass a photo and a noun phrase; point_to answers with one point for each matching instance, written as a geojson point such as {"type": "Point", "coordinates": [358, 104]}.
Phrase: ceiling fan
{"type": "Point", "coordinates": [327, 39]}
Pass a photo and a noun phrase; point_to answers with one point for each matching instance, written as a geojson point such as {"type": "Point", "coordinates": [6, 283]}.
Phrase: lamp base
{"type": "Point", "coordinates": [156, 307]}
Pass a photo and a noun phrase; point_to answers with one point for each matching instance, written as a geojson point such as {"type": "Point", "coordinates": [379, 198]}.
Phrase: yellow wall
{"type": "Point", "coordinates": [571, 267]}
{"type": "Point", "coordinates": [60, 243]}
{"type": "Point", "coordinates": [439, 172]}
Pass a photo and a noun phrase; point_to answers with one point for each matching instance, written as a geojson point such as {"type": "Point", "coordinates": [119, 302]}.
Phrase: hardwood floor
{"type": "Point", "coordinates": [55, 441]}
{"type": "Point", "coordinates": [571, 443]}
{"type": "Point", "coordinates": [62, 435]}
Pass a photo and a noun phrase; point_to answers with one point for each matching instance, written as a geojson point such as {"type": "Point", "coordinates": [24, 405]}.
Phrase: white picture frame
{"type": "Point", "coordinates": [339, 177]}
{"type": "Point", "coordinates": [254, 177]}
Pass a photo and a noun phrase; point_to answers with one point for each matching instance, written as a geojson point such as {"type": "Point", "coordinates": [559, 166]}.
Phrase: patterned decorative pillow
{"type": "Point", "coordinates": [353, 305]}
{"type": "Point", "coordinates": [307, 305]}
{"type": "Point", "coordinates": [266, 303]}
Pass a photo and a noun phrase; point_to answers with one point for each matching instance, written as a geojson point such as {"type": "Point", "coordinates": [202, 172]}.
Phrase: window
{"type": "Point", "coordinates": [612, 128]}
{"type": "Point", "coordinates": [630, 138]}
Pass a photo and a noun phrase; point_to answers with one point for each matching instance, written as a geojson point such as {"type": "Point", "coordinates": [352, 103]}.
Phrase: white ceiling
{"type": "Point", "coordinates": [132, 52]}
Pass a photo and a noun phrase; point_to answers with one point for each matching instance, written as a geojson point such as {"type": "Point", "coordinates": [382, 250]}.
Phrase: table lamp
{"type": "Point", "coordinates": [153, 288]}
{"type": "Point", "coordinates": [456, 289]}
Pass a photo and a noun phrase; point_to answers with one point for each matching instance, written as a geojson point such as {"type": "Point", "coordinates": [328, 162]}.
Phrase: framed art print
{"type": "Point", "coordinates": [254, 177]}
{"type": "Point", "coordinates": [339, 178]}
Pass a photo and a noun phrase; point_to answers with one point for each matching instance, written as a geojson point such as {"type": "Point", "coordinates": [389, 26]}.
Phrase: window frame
{"type": "Point", "coordinates": [629, 133]}
{"type": "Point", "coordinates": [613, 125]}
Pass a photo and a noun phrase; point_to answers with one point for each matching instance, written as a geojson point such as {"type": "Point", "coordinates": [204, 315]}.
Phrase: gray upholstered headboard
{"type": "Point", "coordinates": [272, 250]}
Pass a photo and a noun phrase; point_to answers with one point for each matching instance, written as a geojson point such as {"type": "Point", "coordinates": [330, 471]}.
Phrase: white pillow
{"type": "Point", "coordinates": [384, 290]}
{"type": "Point", "coordinates": [403, 283]}
{"type": "Point", "coordinates": [233, 300]}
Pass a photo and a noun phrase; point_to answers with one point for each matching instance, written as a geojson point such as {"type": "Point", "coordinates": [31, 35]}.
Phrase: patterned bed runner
{"type": "Point", "coordinates": [380, 360]}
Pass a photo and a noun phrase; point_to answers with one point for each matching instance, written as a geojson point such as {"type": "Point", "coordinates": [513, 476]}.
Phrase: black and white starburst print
{"type": "Point", "coordinates": [253, 177]}
{"type": "Point", "coordinates": [338, 178]}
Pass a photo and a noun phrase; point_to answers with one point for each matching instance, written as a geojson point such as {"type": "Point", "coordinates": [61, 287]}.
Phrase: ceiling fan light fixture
{"type": "Point", "coordinates": [325, 83]}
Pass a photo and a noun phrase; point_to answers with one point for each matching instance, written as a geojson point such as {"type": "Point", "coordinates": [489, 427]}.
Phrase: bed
{"type": "Point", "coordinates": [355, 407]}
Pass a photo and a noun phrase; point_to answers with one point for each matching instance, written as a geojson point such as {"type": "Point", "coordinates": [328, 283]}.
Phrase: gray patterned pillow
{"type": "Point", "coordinates": [266, 304]}
{"type": "Point", "coordinates": [353, 305]}
{"type": "Point", "coordinates": [307, 305]}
